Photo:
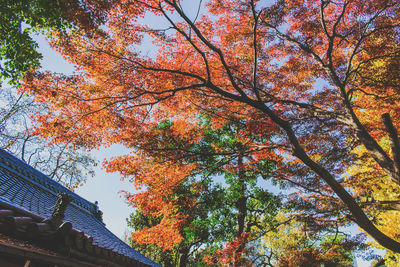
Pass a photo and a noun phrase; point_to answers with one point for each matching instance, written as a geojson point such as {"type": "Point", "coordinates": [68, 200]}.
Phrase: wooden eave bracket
{"type": "Point", "coordinates": [16, 251]}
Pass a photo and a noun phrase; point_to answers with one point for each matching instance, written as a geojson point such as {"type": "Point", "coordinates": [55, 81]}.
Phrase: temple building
{"type": "Point", "coordinates": [42, 223]}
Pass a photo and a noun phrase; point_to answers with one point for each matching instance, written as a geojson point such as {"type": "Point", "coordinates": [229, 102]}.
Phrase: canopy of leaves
{"type": "Point", "coordinates": [293, 243]}
{"type": "Point", "coordinates": [297, 73]}
{"type": "Point", "coordinates": [227, 200]}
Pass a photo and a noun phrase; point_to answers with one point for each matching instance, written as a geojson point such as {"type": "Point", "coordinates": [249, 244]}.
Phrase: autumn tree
{"type": "Point", "coordinates": [378, 196]}
{"type": "Point", "coordinates": [137, 221]}
{"type": "Point", "coordinates": [61, 162]}
{"type": "Point", "coordinates": [295, 243]}
{"type": "Point", "coordinates": [300, 71]}
{"type": "Point", "coordinates": [223, 214]}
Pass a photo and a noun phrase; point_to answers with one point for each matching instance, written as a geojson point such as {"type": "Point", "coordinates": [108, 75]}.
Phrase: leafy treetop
{"type": "Point", "coordinates": [296, 71]}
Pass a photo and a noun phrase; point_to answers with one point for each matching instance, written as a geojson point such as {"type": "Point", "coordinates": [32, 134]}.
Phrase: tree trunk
{"type": "Point", "coordinates": [183, 257]}
{"type": "Point", "coordinates": [241, 206]}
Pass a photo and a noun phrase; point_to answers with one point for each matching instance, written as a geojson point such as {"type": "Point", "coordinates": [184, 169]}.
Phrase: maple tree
{"type": "Point", "coordinates": [137, 221]}
{"type": "Point", "coordinates": [221, 214]}
{"type": "Point", "coordinates": [378, 196]}
{"type": "Point", "coordinates": [294, 243]}
{"type": "Point", "coordinates": [298, 71]}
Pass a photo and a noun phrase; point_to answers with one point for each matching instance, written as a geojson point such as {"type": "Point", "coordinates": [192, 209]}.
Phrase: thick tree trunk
{"type": "Point", "coordinates": [183, 257]}
{"type": "Point", "coordinates": [241, 206]}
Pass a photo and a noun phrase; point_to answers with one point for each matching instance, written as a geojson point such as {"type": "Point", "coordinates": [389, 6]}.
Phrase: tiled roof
{"type": "Point", "coordinates": [25, 187]}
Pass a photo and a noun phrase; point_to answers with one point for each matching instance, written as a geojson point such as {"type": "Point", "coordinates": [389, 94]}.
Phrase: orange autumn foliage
{"type": "Point", "coordinates": [299, 71]}
{"type": "Point", "coordinates": [228, 255]}
{"type": "Point", "coordinates": [158, 181]}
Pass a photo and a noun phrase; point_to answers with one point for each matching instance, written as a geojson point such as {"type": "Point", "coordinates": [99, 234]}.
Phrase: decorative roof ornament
{"type": "Point", "coordinates": [63, 200]}
{"type": "Point", "coordinates": [98, 213]}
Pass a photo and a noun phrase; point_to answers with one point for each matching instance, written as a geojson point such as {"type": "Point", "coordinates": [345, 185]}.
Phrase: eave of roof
{"type": "Point", "coordinates": [37, 254]}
